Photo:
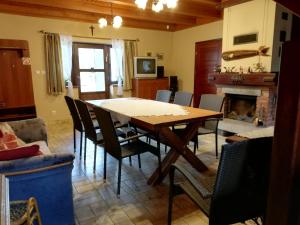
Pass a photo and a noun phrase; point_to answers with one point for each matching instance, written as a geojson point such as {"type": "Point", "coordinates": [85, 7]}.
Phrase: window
{"type": "Point", "coordinates": [91, 66]}
{"type": "Point", "coordinates": [93, 70]}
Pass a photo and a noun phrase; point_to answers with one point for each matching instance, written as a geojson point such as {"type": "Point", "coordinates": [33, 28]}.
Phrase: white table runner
{"type": "Point", "coordinates": [143, 107]}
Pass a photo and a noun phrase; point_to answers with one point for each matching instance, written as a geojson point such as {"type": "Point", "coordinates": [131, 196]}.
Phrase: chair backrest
{"type": "Point", "coordinates": [74, 113]}
{"type": "Point", "coordinates": [211, 102]}
{"type": "Point", "coordinates": [86, 119]}
{"type": "Point", "coordinates": [111, 143]}
{"type": "Point", "coordinates": [163, 95]}
{"type": "Point", "coordinates": [183, 98]}
{"type": "Point", "coordinates": [240, 191]}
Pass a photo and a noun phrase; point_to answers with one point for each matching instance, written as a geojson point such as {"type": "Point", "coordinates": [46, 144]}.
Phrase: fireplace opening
{"type": "Point", "coordinates": [240, 107]}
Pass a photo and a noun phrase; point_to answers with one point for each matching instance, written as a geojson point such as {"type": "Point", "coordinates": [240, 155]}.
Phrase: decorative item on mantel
{"type": "Point", "coordinates": [229, 69]}
{"type": "Point", "coordinates": [217, 68]}
{"type": "Point", "coordinates": [258, 67]}
{"type": "Point", "coordinates": [241, 54]}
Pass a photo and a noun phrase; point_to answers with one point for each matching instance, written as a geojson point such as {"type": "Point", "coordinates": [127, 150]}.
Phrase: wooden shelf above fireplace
{"type": "Point", "coordinates": [252, 79]}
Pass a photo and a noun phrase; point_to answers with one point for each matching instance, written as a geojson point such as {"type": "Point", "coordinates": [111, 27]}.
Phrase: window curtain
{"type": "Point", "coordinates": [54, 68]}
{"type": "Point", "coordinates": [130, 51]}
{"type": "Point", "coordinates": [118, 50]}
{"type": "Point", "coordinates": [66, 51]}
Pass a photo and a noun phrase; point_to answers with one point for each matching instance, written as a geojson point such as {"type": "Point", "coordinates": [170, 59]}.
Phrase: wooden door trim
{"type": "Point", "coordinates": [284, 191]}
{"type": "Point", "coordinates": [76, 69]}
{"type": "Point", "coordinates": [197, 94]}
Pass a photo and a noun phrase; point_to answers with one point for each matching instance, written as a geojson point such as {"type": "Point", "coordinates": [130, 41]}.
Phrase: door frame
{"type": "Point", "coordinates": [197, 96]}
{"type": "Point", "coordinates": [107, 71]}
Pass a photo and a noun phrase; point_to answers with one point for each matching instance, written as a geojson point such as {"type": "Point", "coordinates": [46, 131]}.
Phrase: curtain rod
{"type": "Point", "coordinates": [100, 38]}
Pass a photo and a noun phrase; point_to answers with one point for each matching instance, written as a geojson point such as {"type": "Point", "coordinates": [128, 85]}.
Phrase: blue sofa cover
{"type": "Point", "coordinates": [48, 178]}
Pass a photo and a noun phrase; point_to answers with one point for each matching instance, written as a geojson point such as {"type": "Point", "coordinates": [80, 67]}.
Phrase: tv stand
{"type": "Point", "coordinates": [146, 88]}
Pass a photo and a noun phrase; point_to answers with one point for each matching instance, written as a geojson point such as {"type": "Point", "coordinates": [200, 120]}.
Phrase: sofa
{"type": "Point", "coordinates": [46, 177]}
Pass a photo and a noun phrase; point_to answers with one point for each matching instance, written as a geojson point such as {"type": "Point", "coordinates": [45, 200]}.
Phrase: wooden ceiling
{"type": "Point", "coordinates": [188, 13]}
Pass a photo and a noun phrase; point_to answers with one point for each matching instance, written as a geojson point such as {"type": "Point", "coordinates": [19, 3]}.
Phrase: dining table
{"type": "Point", "coordinates": [158, 118]}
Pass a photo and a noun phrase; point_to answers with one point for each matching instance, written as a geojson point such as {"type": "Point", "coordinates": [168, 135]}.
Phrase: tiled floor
{"type": "Point", "coordinates": [96, 202]}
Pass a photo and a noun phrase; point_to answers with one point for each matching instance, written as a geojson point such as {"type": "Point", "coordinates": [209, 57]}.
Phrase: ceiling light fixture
{"type": "Point", "coordinates": [157, 5]}
{"type": "Point", "coordinates": [116, 21]}
{"type": "Point", "coordinates": [141, 3]}
{"type": "Point", "coordinates": [102, 22]}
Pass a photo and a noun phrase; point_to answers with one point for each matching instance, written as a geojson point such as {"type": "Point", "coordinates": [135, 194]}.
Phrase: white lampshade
{"type": "Point", "coordinates": [157, 6]}
{"type": "Point", "coordinates": [102, 22]}
{"type": "Point", "coordinates": [141, 3]}
{"type": "Point", "coordinates": [117, 21]}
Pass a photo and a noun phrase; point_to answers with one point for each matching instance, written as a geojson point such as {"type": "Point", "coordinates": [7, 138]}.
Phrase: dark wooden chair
{"type": "Point", "coordinates": [130, 146]}
{"type": "Point", "coordinates": [239, 190]}
{"type": "Point", "coordinates": [210, 102]}
{"type": "Point", "coordinates": [89, 127]}
{"type": "Point", "coordinates": [181, 98]}
{"type": "Point", "coordinates": [77, 125]}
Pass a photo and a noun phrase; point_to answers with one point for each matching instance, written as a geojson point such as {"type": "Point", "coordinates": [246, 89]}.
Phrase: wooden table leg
{"type": "Point", "coordinates": [178, 147]}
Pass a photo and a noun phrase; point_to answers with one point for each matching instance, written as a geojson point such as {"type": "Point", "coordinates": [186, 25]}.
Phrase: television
{"type": "Point", "coordinates": [145, 67]}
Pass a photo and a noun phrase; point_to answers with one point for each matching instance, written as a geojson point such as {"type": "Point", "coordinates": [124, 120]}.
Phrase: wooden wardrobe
{"type": "Point", "coordinates": [16, 91]}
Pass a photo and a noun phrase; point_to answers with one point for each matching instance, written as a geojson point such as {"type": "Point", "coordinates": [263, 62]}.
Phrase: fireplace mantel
{"type": "Point", "coordinates": [251, 79]}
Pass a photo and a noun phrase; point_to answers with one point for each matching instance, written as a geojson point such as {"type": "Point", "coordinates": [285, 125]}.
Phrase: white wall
{"type": "Point", "coordinates": [26, 28]}
{"type": "Point", "coordinates": [255, 16]}
{"type": "Point", "coordinates": [183, 51]}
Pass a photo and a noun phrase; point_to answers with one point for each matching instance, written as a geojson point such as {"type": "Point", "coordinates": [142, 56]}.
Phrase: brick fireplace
{"type": "Point", "coordinates": [246, 100]}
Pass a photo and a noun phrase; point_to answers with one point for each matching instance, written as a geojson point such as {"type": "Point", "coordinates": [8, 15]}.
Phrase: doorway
{"type": "Point", "coordinates": [92, 70]}
{"type": "Point", "coordinates": [207, 57]}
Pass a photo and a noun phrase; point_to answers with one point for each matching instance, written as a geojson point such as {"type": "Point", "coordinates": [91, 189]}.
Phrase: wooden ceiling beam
{"type": "Point", "coordinates": [93, 7]}
{"type": "Point", "coordinates": [185, 7]}
{"type": "Point", "coordinates": [106, 6]}
{"type": "Point", "coordinates": [188, 13]}
{"type": "Point", "coordinates": [197, 10]}
{"type": "Point", "coordinates": [228, 3]}
{"type": "Point", "coordinates": [208, 2]}
{"type": "Point", "coordinates": [73, 15]}
{"type": "Point", "coordinates": [156, 17]}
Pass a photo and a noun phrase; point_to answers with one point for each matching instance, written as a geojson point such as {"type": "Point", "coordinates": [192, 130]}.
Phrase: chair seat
{"type": "Point", "coordinates": [137, 147]}
{"type": "Point", "coordinates": [18, 211]}
{"type": "Point", "coordinates": [140, 131]}
{"type": "Point", "coordinates": [204, 204]}
{"type": "Point", "coordinates": [118, 132]}
{"type": "Point", "coordinates": [25, 212]}
{"type": "Point", "coordinates": [202, 130]}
